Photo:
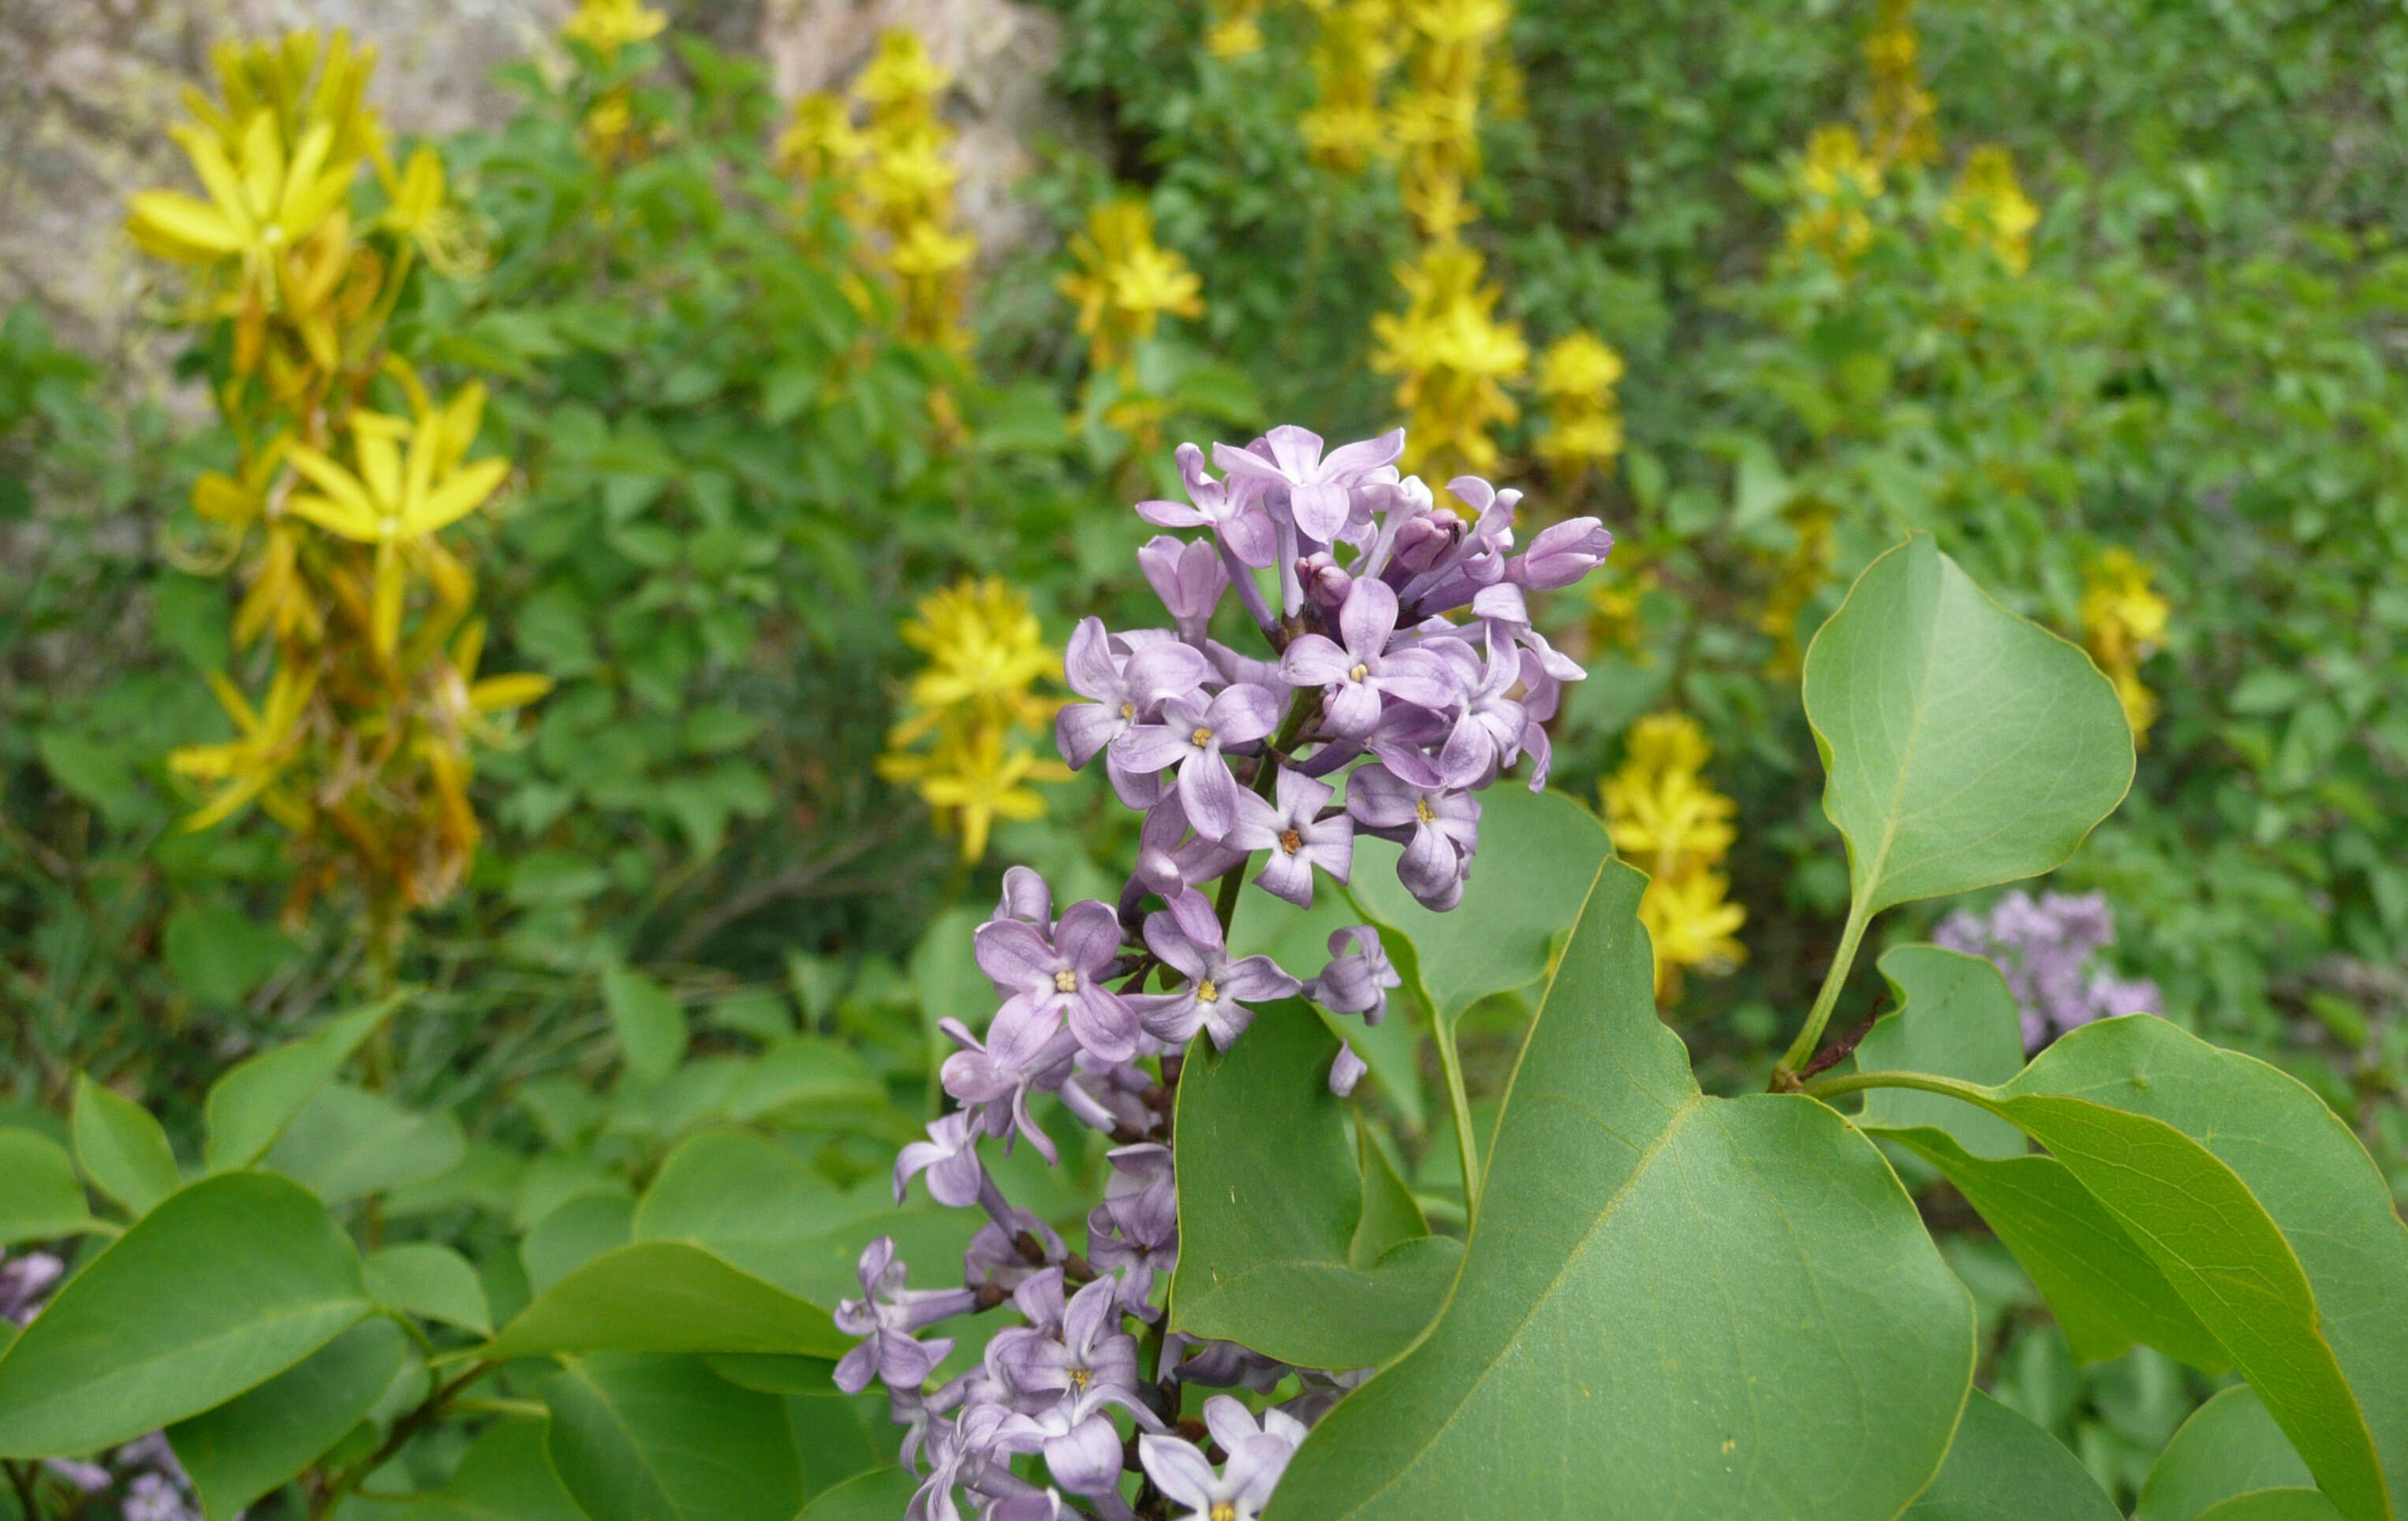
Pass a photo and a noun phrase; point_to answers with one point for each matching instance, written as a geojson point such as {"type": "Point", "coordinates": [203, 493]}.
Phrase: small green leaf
{"type": "Point", "coordinates": [1539, 851]}
{"type": "Point", "coordinates": [122, 1149]}
{"type": "Point", "coordinates": [2273, 1505]}
{"type": "Point", "coordinates": [507, 1476]}
{"type": "Point", "coordinates": [2003, 1467]}
{"type": "Point", "coordinates": [347, 1142]}
{"type": "Point", "coordinates": [1270, 1199]}
{"type": "Point", "coordinates": [575, 1234]}
{"type": "Point", "coordinates": [1955, 1017]}
{"type": "Point", "coordinates": [2104, 1291]}
{"type": "Point", "coordinates": [246, 1447]}
{"type": "Point", "coordinates": [649, 1025]}
{"type": "Point", "coordinates": [666, 1295]}
{"type": "Point", "coordinates": [39, 1196]}
{"type": "Point", "coordinates": [1674, 1306]}
{"type": "Point", "coordinates": [220, 954]}
{"type": "Point", "coordinates": [1964, 745]}
{"type": "Point", "coordinates": [248, 1107]}
{"type": "Point", "coordinates": [2230, 1446]}
{"type": "Point", "coordinates": [431, 1281]}
{"type": "Point", "coordinates": [879, 1495]}
{"type": "Point", "coordinates": [223, 1286]}
{"type": "Point", "coordinates": [640, 1437]}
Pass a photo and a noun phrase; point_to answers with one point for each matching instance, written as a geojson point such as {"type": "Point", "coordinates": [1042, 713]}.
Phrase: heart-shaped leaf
{"type": "Point", "coordinates": [2003, 1467]}
{"type": "Point", "coordinates": [223, 1286]}
{"type": "Point", "coordinates": [1674, 1306]}
{"type": "Point", "coordinates": [1272, 1197]}
{"type": "Point", "coordinates": [1964, 745]}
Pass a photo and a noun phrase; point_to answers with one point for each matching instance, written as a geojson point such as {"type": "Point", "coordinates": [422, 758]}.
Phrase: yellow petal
{"type": "Point", "coordinates": [165, 220]}
{"type": "Point", "coordinates": [263, 167]}
{"type": "Point", "coordinates": [219, 178]}
{"type": "Point", "coordinates": [386, 617]}
{"type": "Point", "coordinates": [462, 494]}
{"type": "Point", "coordinates": [340, 517]}
{"type": "Point", "coordinates": [228, 802]}
{"type": "Point", "coordinates": [496, 693]}
{"type": "Point", "coordinates": [300, 180]}
{"type": "Point", "coordinates": [333, 479]}
{"type": "Point", "coordinates": [380, 457]}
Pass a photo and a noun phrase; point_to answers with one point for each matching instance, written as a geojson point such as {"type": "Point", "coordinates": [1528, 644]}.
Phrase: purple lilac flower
{"type": "Point", "coordinates": [1317, 488]}
{"type": "Point", "coordinates": [1441, 828]}
{"type": "Point", "coordinates": [1357, 675]}
{"type": "Point", "coordinates": [1488, 735]}
{"type": "Point", "coordinates": [1061, 975]}
{"type": "Point", "coordinates": [1562, 554]}
{"type": "Point", "coordinates": [1297, 836]}
{"type": "Point", "coordinates": [1232, 509]}
{"type": "Point", "coordinates": [1188, 939]}
{"type": "Point", "coordinates": [1124, 688]}
{"type": "Point", "coordinates": [1346, 1069]}
{"type": "Point", "coordinates": [950, 1157]}
{"type": "Point", "coordinates": [1191, 737]}
{"type": "Point", "coordinates": [2047, 948]}
{"type": "Point", "coordinates": [994, 1255]}
{"type": "Point", "coordinates": [1189, 578]}
{"type": "Point", "coordinates": [993, 1079]}
{"type": "Point", "coordinates": [24, 1282]}
{"type": "Point", "coordinates": [1357, 975]}
{"type": "Point", "coordinates": [886, 1315]}
{"type": "Point", "coordinates": [1258, 1455]}
{"type": "Point", "coordinates": [153, 1497]}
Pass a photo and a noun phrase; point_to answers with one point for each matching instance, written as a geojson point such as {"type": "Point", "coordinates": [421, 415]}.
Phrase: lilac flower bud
{"type": "Point", "coordinates": [1324, 584]}
{"type": "Point", "coordinates": [1189, 578]}
{"type": "Point", "coordinates": [1346, 1071]}
{"type": "Point", "coordinates": [1425, 542]}
{"type": "Point", "coordinates": [1221, 1365]}
{"type": "Point", "coordinates": [1562, 554]}
{"type": "Point", "coordinates": [1295, 836]}
{"type": "Point", "coordinates": [1142, 1194]}
{"type": "Point", "coordinates": [1359, 975]}
{"type": "Point", "coordinates": [1188, 940]}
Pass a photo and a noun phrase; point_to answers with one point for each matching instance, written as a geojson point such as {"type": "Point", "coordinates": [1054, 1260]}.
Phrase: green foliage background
{"type": "Point", "coordinates": [732, 494]}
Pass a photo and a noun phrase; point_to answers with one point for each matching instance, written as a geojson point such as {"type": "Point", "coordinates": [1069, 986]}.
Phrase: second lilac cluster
{"type": "Point", "coordinates": [2051, 950]}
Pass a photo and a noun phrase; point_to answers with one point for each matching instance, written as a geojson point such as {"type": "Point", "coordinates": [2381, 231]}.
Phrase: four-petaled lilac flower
{"type": "Point", "coordinates": [1191, 736]}
{"type": "Point", "coordinates": [1121, 689]}
{"type": "Point", "coordinates": [1444, 828]}
{"type": "Point", "coordinates": [949, 1157]}
{"type": "Point", "coordinates": [886, 1315]}
{"type": "Point", "coordinates": [1297, 836]}
{"type": "Point", "coordinates": [1488, 736]}
{"type": "Point", "coordinates": [993, 1077]}
{"type": "Point", "coordinates": [1358, 976]}
{"type": "Point", "coordinates": [1062, 974]}
{"type": "Point", "coordinates": [1188, 939]}
{"type": "Point", "coordinates": [1317, 487]}
{"type": "Point", "coordinates": [1357, 674]}
{"type": "Point", "coordinates": [1231, 508]}
{"type": "Point", "coordinates": [1257, 1458]}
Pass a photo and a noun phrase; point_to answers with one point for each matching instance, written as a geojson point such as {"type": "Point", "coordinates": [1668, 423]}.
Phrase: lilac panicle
{"type": "Point", "coordinates": [1401, 673]}
{"type": "Point", "coordinates": [2049, 950]}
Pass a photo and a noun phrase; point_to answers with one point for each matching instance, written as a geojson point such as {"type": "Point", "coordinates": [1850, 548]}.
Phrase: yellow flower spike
{"type": "Point", "coordinates": [1126, 282]}
{"type": "Point", "coordinates": [986, 653]}
{"type": "Point", "coordinates": [1453, 357]}
{"type": "Point", "coordinates": [2124, 620]}
{"type": "Point", "coordinates": [1576, 377]}
{"type": "Point", "coordinates": [1236, 31]}
{"type": "Point", "coordinates": [980, 782]}
{"type": "Point", "coordinates": [1690, 924]}
{"type": "Point", "coordinates": [1904, 116]}
{"type": "Point", "coordinates": [822, 142]}
{"type": "Point", "coordinates": [1666, 820]}
{"type": "Point", "coordinates": [1989, 207]}
{"type": "Point", "coordinates": [607, 25]}
{"type": "Point", "coordinates": [902, 82]}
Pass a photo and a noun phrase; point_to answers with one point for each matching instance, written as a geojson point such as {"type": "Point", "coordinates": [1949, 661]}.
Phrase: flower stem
{"type": "Point", "coordinates": [1464, 1142]}
{"type": "Point", "coordinates": [1801, 1050]}
{"type": "Point", "coordinates": [1832, 1088]}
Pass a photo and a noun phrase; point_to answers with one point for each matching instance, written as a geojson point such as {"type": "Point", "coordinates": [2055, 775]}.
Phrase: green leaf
{"type": "Point", "coordinates": [879, 1495]}
{"type": "Point", "coordinates": [1674, 1306]}
{"type": "Point", "coordinates": [225, 1285]}
{"type": "Point", "coordinates": [2003, 1467]}
{"type": "Point", "coordinates": [2230, 1446]}
{"type": "Point", "coordinates": [641, 1438]}
{"type": "Point", "coordinates": [1539, 851]}
{"type": "Point", "coordinates": [759, 1206]}
{"type": "Point", "coordinates": [2273, 1505]}
{"type": "Point", "coordinates": [347, 1142]}
{"type": "Point", "coordinates": [1272, 1194]}
{"type": "Point", "coordinates": [507, 1476]}
{"type": "Point", "coordinates": [666, 1295]}
{"type": "Point", "coordinates": [39, 1196]}
{"type": "Point", "coordinates": [575, 1234]}
{"type": "Point", "coordinates": [431, 1281]}
{"type": "Point", "coordinates": [649, 1025]}
{"type": "Point", "coordinates": [2105, 1291]}
{"type": "Point", "coordinates": [2267, 1217]}
{"type": "Point", "coordinates": [220, 954]}
{"type": "Point", "coordinates": [122, 1149]}
{"type": "Point", "coordinates": [246, 1447]}
{"type": "Point", "coordinates": [1955, 1017]}
{"type": "Point", "coordinates": [248, 1107]}
{"type": "Point", "coordinates": [1963, 745]}
{"type": "Point", "coordinates": [840, 1435]}
{"type": "Point", "coordinates": [1293, 937]}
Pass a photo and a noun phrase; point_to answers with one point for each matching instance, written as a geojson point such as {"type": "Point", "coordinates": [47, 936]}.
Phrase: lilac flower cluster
{"type": "Point", "coordinates": [2050, 951]}
{"type": "Point", "coordinates": [151, 1483]}
{"type": "Point", "coordinates": [1403, 675]}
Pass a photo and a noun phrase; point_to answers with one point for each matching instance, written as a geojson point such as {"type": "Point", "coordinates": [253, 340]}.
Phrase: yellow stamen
{"type": "Point", "coordinates": [1066, 981]}
{"type": "Point", "coordinates": [1201, 737]}
{"type": "Point", "coordinates": [1359, 672]}
{"type": "Point", "coordinates": [1291, 842]}
{"type": "Point", "coordinates": [1206, 992]}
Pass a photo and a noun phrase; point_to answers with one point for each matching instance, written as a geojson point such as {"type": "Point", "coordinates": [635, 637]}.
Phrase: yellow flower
{"type": "Point", "coordinates": [251, 764]}
{"type": "Point", "coordinates": [1836, 182]}
{"type": "Point", "coordinates": [902, 82]}
{"type": "Point", "coordinates": [1126, 282]}
{"type": "Point", "coordinates": [1902, 112]}
{"type": "Point", "coordinates": [1236, 31]}
{"type": "Point", "coordinates": [1452, 356]}
{"type": "Point", "coordinates": [1666, 820]}
{"type": "Point", "coordinates": [820, 143]}
{"type": "Point", "coordinates": [987, 654]}
{"type": "Point", "coordinates": [1351, 55]}
{"type": "Point", "coordinates": [607, 25]}
{"type": "Point", "coordinates": [397, 497]}
{"type": "Point", "coordinates": [260, 202]}
{"type": "Point", "coordinates": [2124, 620]}
{"type": "Point", "coordinates": [1988, 205]}
{"type": "Point", "coordinates": [1577, 376]}
{"type": "Point", "coordinates": [977, 781]}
